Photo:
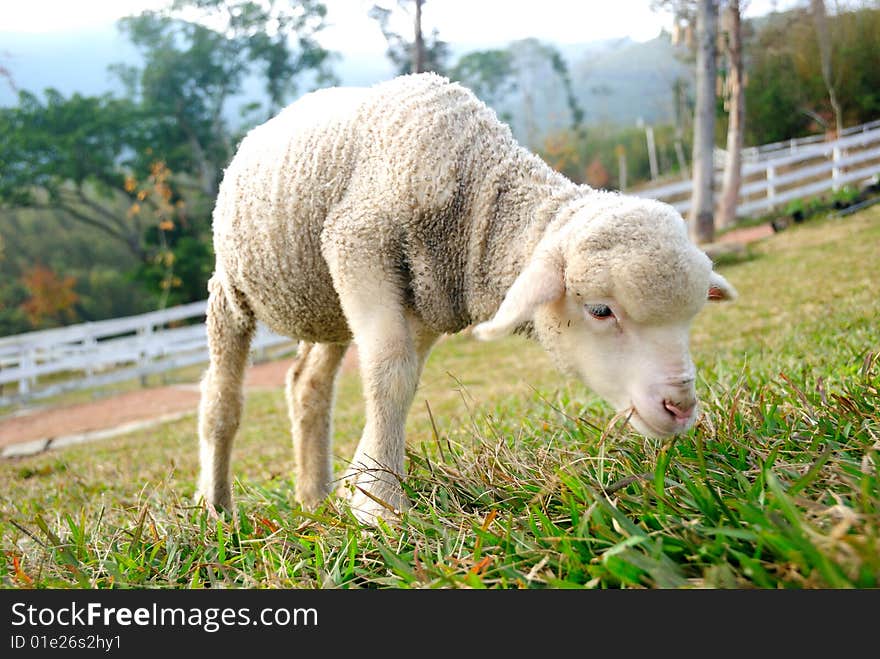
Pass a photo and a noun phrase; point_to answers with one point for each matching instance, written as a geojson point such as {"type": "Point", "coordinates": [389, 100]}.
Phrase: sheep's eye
{"type": "Point", "coordinates": [600, 311]}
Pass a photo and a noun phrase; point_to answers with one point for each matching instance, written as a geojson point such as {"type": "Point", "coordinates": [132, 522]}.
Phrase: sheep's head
{"type": "Point", "coordinates": [611, 296]}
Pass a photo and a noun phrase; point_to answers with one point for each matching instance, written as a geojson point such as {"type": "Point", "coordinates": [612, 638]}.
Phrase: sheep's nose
{"type": "Point", "coordinates": [681, 411]}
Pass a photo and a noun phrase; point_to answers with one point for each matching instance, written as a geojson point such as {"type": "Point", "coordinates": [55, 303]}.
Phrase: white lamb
{"type": "Point", "coordinates": [394, 214]}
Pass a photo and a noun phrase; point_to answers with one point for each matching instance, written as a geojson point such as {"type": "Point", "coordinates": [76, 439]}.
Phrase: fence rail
{"type": "Point", "coordinates": [775, 174]}
{"type": "Point", "coordinates": [776, 149]}
{"type": "Point", "coordinates": [48, 362]}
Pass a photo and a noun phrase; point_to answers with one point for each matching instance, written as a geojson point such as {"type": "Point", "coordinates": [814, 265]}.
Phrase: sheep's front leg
{"type": "Point", "coordinates": [392, 355]}
{"type": "Point", "coordinates": [390, 372]}
{"type": "Point", "coordinates": [364, 263]}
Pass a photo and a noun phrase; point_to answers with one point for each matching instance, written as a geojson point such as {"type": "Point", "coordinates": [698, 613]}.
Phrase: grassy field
{"type": "Point", "coordinates": [523, 479]}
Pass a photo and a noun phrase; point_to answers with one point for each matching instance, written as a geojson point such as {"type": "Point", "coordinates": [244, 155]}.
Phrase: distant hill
{"type": "Point", "coordinates": [630, 80]}
{"type": "Point", "coordinates": [70, 62]}
{"type": "Point", "coordinates": [616, 81]}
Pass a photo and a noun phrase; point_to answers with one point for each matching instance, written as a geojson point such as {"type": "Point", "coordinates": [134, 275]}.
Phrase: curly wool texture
{"type": "Point", "coordinates": [416, 181]}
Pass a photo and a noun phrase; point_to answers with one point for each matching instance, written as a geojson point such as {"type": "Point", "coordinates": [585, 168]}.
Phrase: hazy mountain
{"type": "Point", "coordinates": [629, 80]}
{"type": "Point", "coordinates": [70, 62]}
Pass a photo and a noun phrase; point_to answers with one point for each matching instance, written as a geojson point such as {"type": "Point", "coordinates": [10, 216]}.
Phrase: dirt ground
{"type": "Point", "coordinates": [130, 406]}
{"type": "Point", "coordinates": [747, 235]}
{"type": "Point", "coordinates": [156, 402]}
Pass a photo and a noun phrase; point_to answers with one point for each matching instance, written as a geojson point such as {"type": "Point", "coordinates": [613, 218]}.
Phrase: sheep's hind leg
{"type": "Point", "coordinates": [230, 329]}
{"type": "Point", "coordinates": [309, 392]}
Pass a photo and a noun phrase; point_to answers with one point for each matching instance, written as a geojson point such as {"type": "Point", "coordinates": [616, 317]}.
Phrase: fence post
{"type": "Point", "coordinates": [621, 166]}
{"type": "Point", "coordinates": [771, 188]}
{"type": "Point", "coordinates": [145, 333]}
{"type": "Point", "coordinates": [24, 385]}
{"type": "Point", "coordinates": [652, 152]}
{"type": "Point", "coordinates": [90, 345]}
{"type": "Point", "coordinates": [835, 170]}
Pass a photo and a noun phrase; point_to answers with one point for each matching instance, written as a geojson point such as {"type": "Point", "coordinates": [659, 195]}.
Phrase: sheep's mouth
{"type": "Point", "coordinates": [644, 426]}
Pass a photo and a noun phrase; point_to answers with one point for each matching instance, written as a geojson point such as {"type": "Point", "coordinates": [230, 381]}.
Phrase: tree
{"type": "Point", "coordinates": [680, 112]}
{"type": "Point", "coordinates": [735, 92]}
{"type": "Point", "coordinates": [6, 75]}
{"type": "Point", "coordinates": [145, 169]}
{"type": "Point", "coordinates": [418, 54]}
{"type": "Point", "coordinates": [526, 65]}
{"type": "Point", "coordinates": [787, 95]}
{"type": "Point", "coordinates": [702, 215]}
{"type": "Point", "coordinates": [411, 56]}
{"type": "Point", "coordinates": [192, 72]}
{"type": "Point", "coordinates": [180, 262]}
{"type": "Point", "coordinates": [776, 96]}
{"type": "Point", "coordinates": [490, 74]}
{"type": "Point", "coordinates": [101, 265]}
{"type": "Point", "coordinates": [561, 69]}
{"type": "Point", "coordinates": [50, 297]}
{"type": "Point", "coordinates": [823, 33]}
{"type": "Point", "coordinates": [69, 155]}
{"type": "Point", "coordinates": [535, 64]}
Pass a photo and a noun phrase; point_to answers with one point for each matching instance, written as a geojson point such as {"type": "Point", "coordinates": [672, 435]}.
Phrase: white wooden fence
{"type": "Point", "coordinates": [40, 364]}
{"type": "Point", "coordinates": [775, 174]}
{"type": "Point", "coordinates": [792, 146]}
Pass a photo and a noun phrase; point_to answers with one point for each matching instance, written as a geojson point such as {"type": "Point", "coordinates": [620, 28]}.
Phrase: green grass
{"type": "Point", "coordinates": [527, 481]}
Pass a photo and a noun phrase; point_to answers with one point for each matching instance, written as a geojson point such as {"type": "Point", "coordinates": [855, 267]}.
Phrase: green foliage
{"type": "Point", "coordinates": [559, 67]}
{"type": "Point", "coordinates": [490, 74]}
{"type": "Point", "coordinates": [108, 292]}
{"type": "Point", "coordinates": [845, 196]}
{"type": "Point", "coordinates": [47, 143]}
{"type": "Point", "coordinates": [803, 209]}
{"type": "Point", "coordinates": [785, 94]}
{"type": "Point", "coordinates": [128, 167]}
{"type": "Point", "coordinates": [572, 152]}
{"type": "Point", "coordinates": [69, 154]}
{"type": "Point", "coordinates": [191, 72]}
{"type": "Point", "coordinates": [191, 262]}
{"type": "Point", "coordinates": [100, 264]}
{"type": "Point", "coordinates": [509, 77]}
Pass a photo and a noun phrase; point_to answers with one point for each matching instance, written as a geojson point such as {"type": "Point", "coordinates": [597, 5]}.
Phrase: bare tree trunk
{"type": "Point", "coordinates": [678, 92]}
{"type": "Point", "coordinates": [702, 220]}
{"type": "Point", "coordinates": [679, 156]}
{"type": "Point", "coordinates": [820, 17]}
{"type": "Point", "coordinates": [529, 118]}
{"type": "Point", "coordinates": [418, 62]}
{"type": "Point", "coordinates": [736, 123]}
{"type": "Point", "coordinates": [652, 152]}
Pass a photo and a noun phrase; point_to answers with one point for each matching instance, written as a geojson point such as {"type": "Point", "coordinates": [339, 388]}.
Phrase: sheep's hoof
{"type": "Point", "coordinates": [372, 492]}
{"type": "Point", "coordinates": [369, 508]}
{"type": "Point", "coordinates": [372, 500]}
{"type": "Point", "coordinates": [215, 511]}
{"type": "Point", "coordinates": [216, 504]}
{"type": "Point", "coordinates": [310, 498]}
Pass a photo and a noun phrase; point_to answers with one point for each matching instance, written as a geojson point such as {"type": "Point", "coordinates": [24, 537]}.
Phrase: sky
{"type": "Point", "coordinates": [458, 21]}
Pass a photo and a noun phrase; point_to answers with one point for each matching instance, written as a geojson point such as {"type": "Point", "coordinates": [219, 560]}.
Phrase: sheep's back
{"type": "Point", "coordinates": [431, 154]}
{"type": "Point", "coordinates": [410, 155]}
{"type": "Point", "coordinates": [285, 177]}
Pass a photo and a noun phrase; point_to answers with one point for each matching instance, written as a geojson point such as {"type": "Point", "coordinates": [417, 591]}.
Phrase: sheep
{"type": "Point", "coordinates": [394, 214]}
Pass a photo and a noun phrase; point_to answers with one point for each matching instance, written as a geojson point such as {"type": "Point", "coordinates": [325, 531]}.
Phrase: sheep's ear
{"type": "Point", "coordinates": [541, 282]}
{"type": "Point", "coordinates": [720, 289]}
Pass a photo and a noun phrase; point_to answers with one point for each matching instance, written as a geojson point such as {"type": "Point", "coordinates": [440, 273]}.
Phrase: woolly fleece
{"type": "Point", "coordinates": [419, 178]}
